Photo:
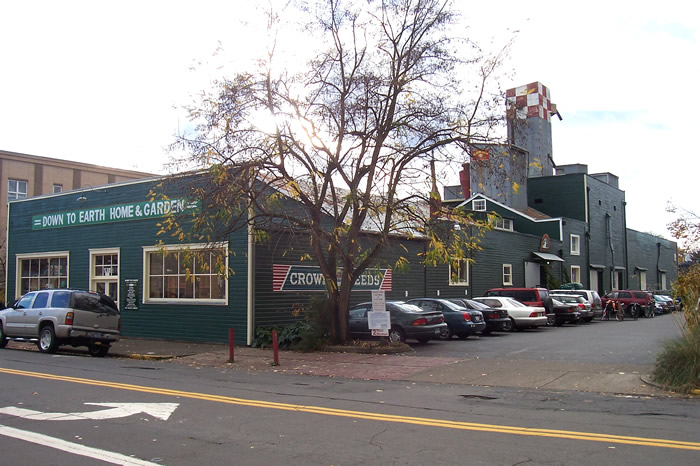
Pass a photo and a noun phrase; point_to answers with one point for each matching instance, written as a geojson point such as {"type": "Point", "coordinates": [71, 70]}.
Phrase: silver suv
{"type": "Point", "coordinates": [62, 317]}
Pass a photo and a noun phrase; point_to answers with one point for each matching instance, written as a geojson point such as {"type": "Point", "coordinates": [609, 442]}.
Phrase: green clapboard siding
{"type": "Point", "coordinates": [195, 322]}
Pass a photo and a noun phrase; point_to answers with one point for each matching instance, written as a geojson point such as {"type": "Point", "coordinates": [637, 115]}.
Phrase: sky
{"type": "Point", "coordinates": [104, 82]}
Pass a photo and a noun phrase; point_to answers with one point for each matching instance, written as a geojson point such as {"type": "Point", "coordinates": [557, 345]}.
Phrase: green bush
{"type": "Point", "coordinates": [309, 333]}
{"type": "Point", "coordinates": [678, 363]}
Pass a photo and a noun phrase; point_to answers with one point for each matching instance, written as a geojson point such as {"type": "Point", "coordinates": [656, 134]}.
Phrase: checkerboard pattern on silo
{"type": "Point", "coordinates": [531, 100]}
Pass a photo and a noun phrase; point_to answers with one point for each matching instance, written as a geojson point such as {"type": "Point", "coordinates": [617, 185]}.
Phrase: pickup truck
{"type": "Point", "coordinates": [62, 317]}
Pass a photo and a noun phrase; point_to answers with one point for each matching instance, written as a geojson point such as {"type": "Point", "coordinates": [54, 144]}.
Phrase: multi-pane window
{"type": "Point", "coordinates": [504, 224]}
{"type": "Point", "coordinates": [479, 205]}
{"type": "Point", "coordinates": [16, 189]}
{"type": "Point", "coordinates": [507, 274]}
{"type": "Point", "coordinates": [575, 245]}
{"type": "Point", "coordinates": [104, 272]}
{"type": "Point", "coordinates": [39, 273]}
{"type": "Point", "coordinates": [575, 274]}
{"type": "Point", "coordinates": [57, 188]}
{"type": "Point", "coordinates": [459, 272]}
{"type": "Point", "coordinates": [185, 275]}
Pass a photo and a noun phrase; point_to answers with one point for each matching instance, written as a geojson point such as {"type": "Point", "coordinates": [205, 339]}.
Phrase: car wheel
{"type": "Point", "coordinates": [509, 325]}
{"type": "Point", "coordinates": [396, 335]}
{"type": "Point", "coordinates": [47, 340]}
{"type": "Point", "coordinates": [3, 337]}
{"type": "Point", "coordinates": [446, 333]}
{"type": "Point", "coordinates": [98, 351]}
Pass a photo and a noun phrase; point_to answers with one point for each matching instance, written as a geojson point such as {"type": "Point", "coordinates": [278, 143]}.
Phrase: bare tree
{"type": "Point", "coordinates": [350, 139]}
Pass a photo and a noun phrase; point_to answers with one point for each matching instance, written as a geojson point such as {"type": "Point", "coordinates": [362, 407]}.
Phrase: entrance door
{"type": "Point", "coordinates": [593, 280]}
{"type": "Point", "coordinates": [532, 274]}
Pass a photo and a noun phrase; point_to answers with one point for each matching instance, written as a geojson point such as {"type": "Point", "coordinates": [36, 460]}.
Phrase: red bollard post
{"type": "Point", "coordinates": [230, 344]}
{"type": "Point", "coordinates": [275, 349]}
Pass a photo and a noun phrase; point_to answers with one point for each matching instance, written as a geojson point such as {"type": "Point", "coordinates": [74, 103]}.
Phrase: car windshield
{"type": "Point", "coordinates": [406, 307]}
{"type": "Point", "coordinates": [556, 302]}
{"type": "Point", "coordinates": [477, 304]}
{"type": "Point", "coordinates": [514, 303]}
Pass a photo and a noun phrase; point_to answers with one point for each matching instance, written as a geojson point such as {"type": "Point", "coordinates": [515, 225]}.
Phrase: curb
{"type": "Point", "coordinates": [153, 357]}
{"type": "Point", "coordinates": [368, 349]}
{"type": "Point", "coordinates": [647, 380]}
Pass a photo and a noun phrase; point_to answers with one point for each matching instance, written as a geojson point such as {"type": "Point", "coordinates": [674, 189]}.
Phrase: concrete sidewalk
{"type": "Point", "coordinates": [520, 373]}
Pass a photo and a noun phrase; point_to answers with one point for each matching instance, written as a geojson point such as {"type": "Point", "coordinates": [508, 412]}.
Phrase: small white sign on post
{"type": "Point", "coordinates": [378, 318]}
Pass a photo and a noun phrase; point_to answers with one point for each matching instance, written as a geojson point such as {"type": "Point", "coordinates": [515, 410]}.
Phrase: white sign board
{"type": "Point", "coordinates": [378, 300]}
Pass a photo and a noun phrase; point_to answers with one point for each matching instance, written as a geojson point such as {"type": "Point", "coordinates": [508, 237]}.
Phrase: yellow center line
{"type": "Point", "coordinates": [514, 430]}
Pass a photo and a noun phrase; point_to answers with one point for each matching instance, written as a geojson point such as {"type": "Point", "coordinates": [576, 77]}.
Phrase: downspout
{"type": "Point", "coordinates": [250, 301]}
{"type": "Point", "coordinates": [587, 234]}
{"type": "Point", "coordinates": [624, 251]}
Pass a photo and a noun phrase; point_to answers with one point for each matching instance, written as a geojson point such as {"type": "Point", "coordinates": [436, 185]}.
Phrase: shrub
{"type": "Point", "coordinates": [678, 363]}
{"type": "Point", "coordinates": [307, 334]}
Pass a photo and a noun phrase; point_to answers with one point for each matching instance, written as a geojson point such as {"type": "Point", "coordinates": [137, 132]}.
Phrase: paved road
{"type": "Point", "coordinates": [225, 416]}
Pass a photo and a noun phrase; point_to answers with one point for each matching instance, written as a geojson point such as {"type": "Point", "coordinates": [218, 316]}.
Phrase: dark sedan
{"type": "Point", "coordinates": [496, 319]}
{"type": "Point", "coordinates": [407, 321]}
{"type": "Point", "coordinates": [565, 313]}
{"type": "Point", "coordinates": [460, 320]}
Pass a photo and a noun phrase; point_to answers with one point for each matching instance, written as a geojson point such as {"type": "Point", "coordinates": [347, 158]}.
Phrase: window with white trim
{"type": "Point", "coordinates": [575, 249]}
{"type": "Point", "coordinates": [459, 272]}
{"type": "Point", "coordinates": [642, 279]}
{"type": "Point", "coordinates": [662, 280]}
{"type": "Point", "coordinates": [479, 205]}
{"type": "Point", "coordinates": [192, 273]}
{"type": "Point", "coordinates": [507, 274]}
{"type": "Point", "coordinates": [504, 224]}
{"type": "Point", "coordinates": [16, 189]}
{"type": "Point", "coordinates": [41, 271]}
{"type": "Point", "coordinates": [104, 272]}
{"type": "Point", "coordinates": [575, 274]}
{"type": "Point", "coordinates": [57, 188]}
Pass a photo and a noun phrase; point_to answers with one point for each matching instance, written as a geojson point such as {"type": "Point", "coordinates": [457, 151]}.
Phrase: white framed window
{"type": "Point", "coordinates": [104, 272]}
{"type": "Point", "coordinates": [504, 224]}
{"type": "Point", "coordinates": [16, 189]}
{"type": "Point", "coordinates": [57, 188]}
{"type": "Point", "coordinates": [185, 274]}
{"type": "Point", "coordinates": [575, 249]}
{"type": "Point", "coordinates": [459, 272]}
{"type": "Point", "coordinates": [479, 205]}
{"type": "Point", "coordinates": [575, 274]}
{"type": "Point", "coordinates": [643, 279]}
{"type": "Point", "coordinates": [41, 271]}
{"type": "Point", "coordinates": [662, 280]}
{"type": "Point", "coordinates": [507, 274]}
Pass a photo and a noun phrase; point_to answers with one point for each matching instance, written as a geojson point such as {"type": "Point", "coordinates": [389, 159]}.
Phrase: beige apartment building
{"type": "Point", "coordinates": [24, 175]}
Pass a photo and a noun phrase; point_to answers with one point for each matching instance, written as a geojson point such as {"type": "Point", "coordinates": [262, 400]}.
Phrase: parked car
{"type": "Point", "coordinates": [495, 319]}
{"type": "Point", "coordinates": [663, 304]}
{"type": "Point", "coordinates": [565, 313]}
{"type": "Point", "coordinates": [576, 300]}
{"type": "Point", "coordinates": [407, 321]}
{"type": "Point", "coordinates": [537, 297]}
{"type": "Point", "coordinates": [521, 316]}
{"type": "Point", "coordinates": [627, 298]}
{"type": "Point", "coordinates": [62, 317]}
{"type": "Point", "coordinates": [592, 297]}
{"type": "Point", "coordinates": [460, 320]}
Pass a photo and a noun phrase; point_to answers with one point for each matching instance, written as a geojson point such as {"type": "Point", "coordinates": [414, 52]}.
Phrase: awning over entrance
{"type": "Point", "coordinates": [548, 257]}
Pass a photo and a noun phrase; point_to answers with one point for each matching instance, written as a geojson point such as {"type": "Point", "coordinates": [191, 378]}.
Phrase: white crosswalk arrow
{"type": "Point", "coordinates": [158, 410]}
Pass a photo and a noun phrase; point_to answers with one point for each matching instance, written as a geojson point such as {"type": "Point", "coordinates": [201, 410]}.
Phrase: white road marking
{"type": "Point", "coordinates": [158, 410]}
{"type": "Point", "coordinates": [74, 448]}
